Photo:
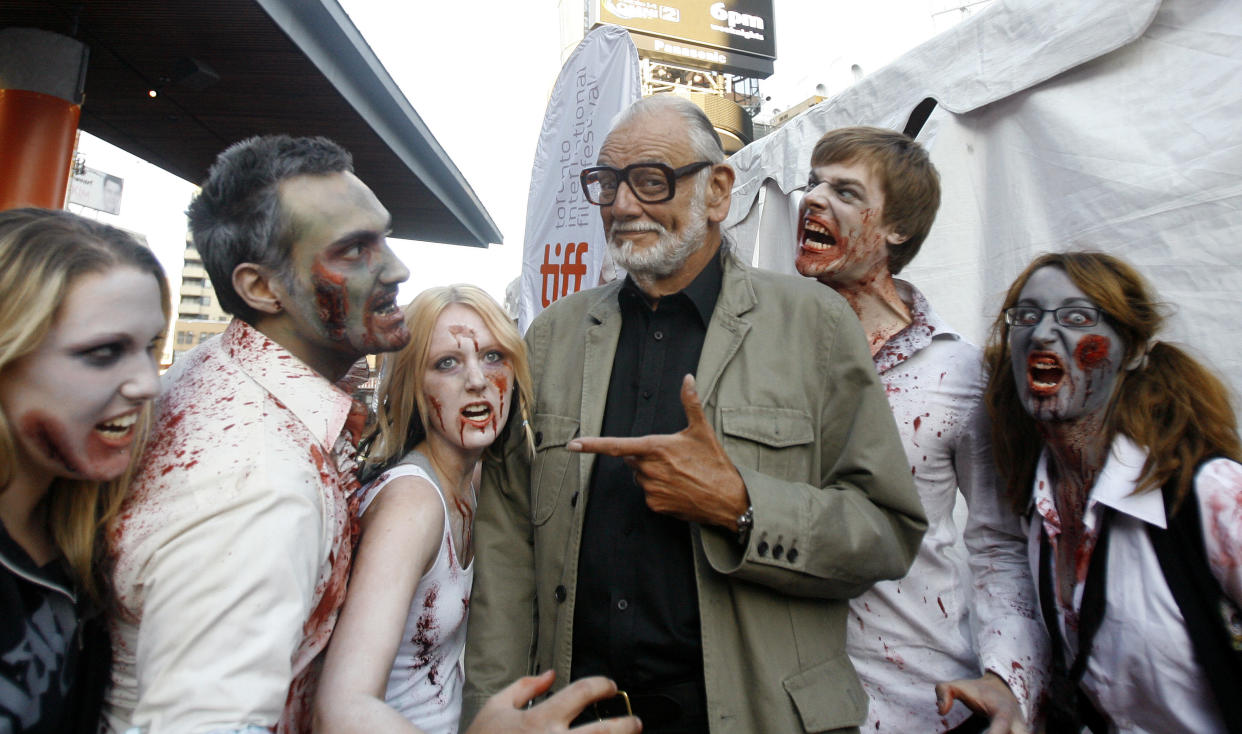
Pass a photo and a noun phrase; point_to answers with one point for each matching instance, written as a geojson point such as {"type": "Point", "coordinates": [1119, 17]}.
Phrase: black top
{"type": "Point", "coordinates": [53, 666]}
{"type": "Point", "coordinates": [38, 654]}
{"type": "Point", "coordinates": [636, 616]}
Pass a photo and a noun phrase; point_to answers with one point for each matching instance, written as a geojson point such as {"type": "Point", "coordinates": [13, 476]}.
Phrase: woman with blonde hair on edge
{"type": "Point", "coordinates": [394, 663]}
{"type": "Point", "coordinates": [83, 309]}
{"type": "Point", "coordinates": [1122, 453]}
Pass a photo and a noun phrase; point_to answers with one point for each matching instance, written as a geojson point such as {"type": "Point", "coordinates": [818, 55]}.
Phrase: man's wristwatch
{"type": "Point", "coordinates": [745, 522]}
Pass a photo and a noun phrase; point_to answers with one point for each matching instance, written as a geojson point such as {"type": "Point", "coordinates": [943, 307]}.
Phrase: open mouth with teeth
{"type": "Point", "coordinates": [384, 323]}
{"type": "Point", "coordinates": [817, 235]}
{"type": "Point", "coordinates": [117, 431]}
{"type": "Point", "coordinates": [477, 414]}
{"type": "Point", "coordinates": [1044, 372]}
{"type": "Point", "coordinates": [384, 305]}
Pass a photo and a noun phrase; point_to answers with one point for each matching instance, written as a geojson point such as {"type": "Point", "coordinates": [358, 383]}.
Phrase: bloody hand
{"type": "Point", "coordinates": [988, 695]}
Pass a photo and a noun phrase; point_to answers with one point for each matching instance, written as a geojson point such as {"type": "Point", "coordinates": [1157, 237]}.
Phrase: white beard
{"type": "Point", "coordinates": [668, 254]}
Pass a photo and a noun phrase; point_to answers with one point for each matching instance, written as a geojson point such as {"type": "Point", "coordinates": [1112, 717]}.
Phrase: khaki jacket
{"type": "Point", "coordinates": [786, 380]}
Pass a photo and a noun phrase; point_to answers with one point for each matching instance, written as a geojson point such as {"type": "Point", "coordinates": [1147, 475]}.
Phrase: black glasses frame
{"type": "Point", "coordinates": [1011, 315]}
{"type": "Point", "coordinates": [623, 176]}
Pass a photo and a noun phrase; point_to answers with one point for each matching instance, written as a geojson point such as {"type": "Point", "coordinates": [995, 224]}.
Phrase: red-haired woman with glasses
{"type": "Point", "coordinates": [1122, 452]}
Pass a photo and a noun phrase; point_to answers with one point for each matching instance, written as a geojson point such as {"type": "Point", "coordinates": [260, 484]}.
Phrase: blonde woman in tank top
{"type": "Point", "coordinates": [395, 661]}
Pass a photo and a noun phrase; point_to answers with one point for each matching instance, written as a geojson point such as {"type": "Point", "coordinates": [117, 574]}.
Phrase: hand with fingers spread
{"type": "Point", "coordinates": [685, 474]}
{"type": "Point", "coordinates": [988, 695]}
{"type": "Point", "coordinates": [506, 712]}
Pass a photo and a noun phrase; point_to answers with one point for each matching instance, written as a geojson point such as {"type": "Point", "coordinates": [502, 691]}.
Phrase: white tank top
{"type": "Point", "coordinates": [426, 678]}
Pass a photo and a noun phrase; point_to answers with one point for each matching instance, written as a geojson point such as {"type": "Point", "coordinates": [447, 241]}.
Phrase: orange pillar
{"type": "Point", "coordinates": [42, 75]}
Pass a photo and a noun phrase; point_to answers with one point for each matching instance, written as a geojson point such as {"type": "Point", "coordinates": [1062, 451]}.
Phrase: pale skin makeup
{"type": "Point", "coordinates": [468, 387]}
{"type": "Point", "coordinates": [338, 300]}
{"type": "Point", "coordinates": [1065, 377]}
{"type": "Point", "coordinates": [843, 243]}
{"type": "Point", "coordinates": [73, 404]}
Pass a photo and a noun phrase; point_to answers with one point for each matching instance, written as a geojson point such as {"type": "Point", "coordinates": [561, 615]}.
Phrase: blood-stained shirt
{"type": "Point", "coordinates": [232, 549]}
{"type": "Point", "coordinates": [1142, 672]}
{"type": "Point", "coordinates": [968, 603]}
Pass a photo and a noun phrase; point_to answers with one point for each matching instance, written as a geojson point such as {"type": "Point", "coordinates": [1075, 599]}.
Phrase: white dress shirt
{"type": "Point", "coordinates": [232, 549]}
{"type": "Point", "coordinates": [968, 603]}
{"type": "Point", "coordinates": [1142, 673]}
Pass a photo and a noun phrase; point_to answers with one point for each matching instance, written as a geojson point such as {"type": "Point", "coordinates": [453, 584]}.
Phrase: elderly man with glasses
{"type": "Point", "coordinates": [715, 469]}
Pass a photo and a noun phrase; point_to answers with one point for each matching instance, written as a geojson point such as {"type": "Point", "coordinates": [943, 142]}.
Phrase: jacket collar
{"type": "Point", "coordinates": [736, 299]}
{"type": "Point", "coordinates": [725, 331]}
{"type": "Point", "coordinates": [702, 292]}
{"type": "Point", "coordinates": [14, 558]}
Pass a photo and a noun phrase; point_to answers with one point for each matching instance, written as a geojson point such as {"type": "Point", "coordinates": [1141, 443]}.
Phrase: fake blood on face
{"type": "Point", "coordinates": [98, 459]}
{"type": "Point", "coordinates": [500, 379]}
{"type": "Point", "coordinates": [438, 409]}
{"type": "Point", "coordinates": [330, 299]}
{"type": "Point", "coordinates": [459, 331]}
{"type": "Point", "coordinates": [1092, 352]}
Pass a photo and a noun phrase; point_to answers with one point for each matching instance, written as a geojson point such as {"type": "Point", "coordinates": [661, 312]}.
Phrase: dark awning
{"type": "Point", "coordinates": [283, 66]}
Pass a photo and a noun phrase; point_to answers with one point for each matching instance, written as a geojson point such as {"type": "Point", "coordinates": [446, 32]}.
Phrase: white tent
{"type": "Point", "coordinates": [1094, 124]}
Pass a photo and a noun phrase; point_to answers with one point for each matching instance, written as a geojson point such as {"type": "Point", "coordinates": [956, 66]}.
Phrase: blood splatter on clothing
{"type": "Point", "coordinates": [914, 632]}
{"type": "Point", "coordinates": [236, 531]}
{"type": "Point", "coordinates": [426, 679]}
{"type": "Point", "coordinates": [1142, 673]}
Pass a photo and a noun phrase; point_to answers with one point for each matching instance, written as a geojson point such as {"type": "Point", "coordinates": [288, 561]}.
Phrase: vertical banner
{"type": "Point", "coordinates": [563, 250]}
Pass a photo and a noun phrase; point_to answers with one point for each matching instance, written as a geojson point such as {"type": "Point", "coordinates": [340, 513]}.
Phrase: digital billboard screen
{"type": "Point", "coordinates": [744, 26]}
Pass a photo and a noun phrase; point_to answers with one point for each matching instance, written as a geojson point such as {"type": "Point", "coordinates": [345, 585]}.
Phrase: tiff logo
{"type": "Point", "coordinates": [558, 274]}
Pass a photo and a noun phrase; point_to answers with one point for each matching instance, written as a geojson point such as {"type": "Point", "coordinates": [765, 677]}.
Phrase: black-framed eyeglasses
{"type": "Point", "coordinates": [1075, 317]}
{"type": "Point", "coordinates": [651, 183]}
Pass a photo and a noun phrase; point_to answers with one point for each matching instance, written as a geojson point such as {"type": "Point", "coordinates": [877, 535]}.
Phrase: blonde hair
{"type": "Point", "coordinates": [42, 254]}
{"type": "Point", "coordinates": [401, 421]}
{"type": "Point", "coordinates": [1170, 404]}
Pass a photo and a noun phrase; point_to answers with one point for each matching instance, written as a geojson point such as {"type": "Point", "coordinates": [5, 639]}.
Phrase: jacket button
{"type": "Point", "coordinates": [777, 551]}
{"type": "Point", "coordinates": [538, 437]}
{"type": "Point", "coordinates": [559, 594]}
{"type": "Point", "coordinates": [762, 548]}
{"type": "Point", "coordinates": [792, 555]}
{"type": "Point", "coordinates": [573, 500]}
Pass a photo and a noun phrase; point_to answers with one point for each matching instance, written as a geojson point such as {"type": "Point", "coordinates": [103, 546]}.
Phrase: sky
{"type": "Point", "coordinates": [479, 74]}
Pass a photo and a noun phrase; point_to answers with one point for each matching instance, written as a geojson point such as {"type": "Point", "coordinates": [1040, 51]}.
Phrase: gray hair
{"type": "Point", "coordinates": [703, 138]}
{"type": "Point", "coordinates": [237, 217]}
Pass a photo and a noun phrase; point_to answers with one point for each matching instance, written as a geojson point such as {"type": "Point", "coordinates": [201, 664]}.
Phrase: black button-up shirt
{"type": "Point", "coordinates": [636, 616]}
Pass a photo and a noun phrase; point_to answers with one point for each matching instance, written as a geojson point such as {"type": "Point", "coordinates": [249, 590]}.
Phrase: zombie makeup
{"type": "Point", "coordinates": [74, 403]}
{"type": "Point", "coordinates": [1063, 373]}
{"type": "Point", "coordinates": [468, 381]}
{"type": "Point", "coordinates": [353, 306]}
{"type": "Point", "coordinates": [343, 277]}
{"type": "Point", "coordinates": [842, 240]}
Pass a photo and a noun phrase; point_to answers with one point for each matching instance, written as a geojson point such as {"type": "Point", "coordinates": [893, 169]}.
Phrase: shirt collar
{"type": "Point", "coordinates": [1116, 483]}
{"type": "Point", "coordinates": [1114, 487]}
{"type": "Point", "coordinates": [317, 403]}
{"type": "Point", "coordinates": [925, 325]}
{"type": "Point", "coordinates": [703, 291]}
